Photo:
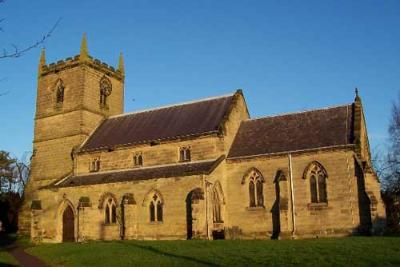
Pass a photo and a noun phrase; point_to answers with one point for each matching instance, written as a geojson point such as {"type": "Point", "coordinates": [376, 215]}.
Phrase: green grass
{"type": "Point", "coordinates": [7, 259]}
{"type": "Point", "coordinates": [354, 251]}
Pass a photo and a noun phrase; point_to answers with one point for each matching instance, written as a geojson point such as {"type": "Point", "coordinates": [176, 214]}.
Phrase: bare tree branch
{"type": "Point", "coordinates": [17, 52]}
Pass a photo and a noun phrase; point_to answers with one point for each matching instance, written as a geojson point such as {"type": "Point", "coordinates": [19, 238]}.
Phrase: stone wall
{"type": "Point", "coordinates": [340, 216]}
{"type": "Point", "coordinates": [201, 148]}
{"type": "Point", "coordinates": [174, 193]}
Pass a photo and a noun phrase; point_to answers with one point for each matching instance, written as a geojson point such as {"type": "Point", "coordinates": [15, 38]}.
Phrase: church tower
{"type": "Point", "coordinates": [73, 96]}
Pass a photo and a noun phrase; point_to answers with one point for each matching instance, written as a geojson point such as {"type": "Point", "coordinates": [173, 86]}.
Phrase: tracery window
{"type": "Point", "coordinates": [60, 92]}
{"type": "Point", "coordinates": [110, 211]}
{"type": "Point", "coordinates": [94, 165]}
{"type": "Point", "coordinates": [156, 208]}
{"type": "Point", "coordinates": [105, 90]}
{"type": "Point", "coordinates": [256, 194]}
{"type": "Point", "coordinates": [184, 154]}
{"type": "Point", "coordinates": [138, 159]}
{"type": "Point", "coordinates": [317, 176]}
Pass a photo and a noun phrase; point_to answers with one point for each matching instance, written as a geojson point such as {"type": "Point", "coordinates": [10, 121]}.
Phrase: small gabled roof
{"type": "Point", "coordinates": [140, 174]}
{"type": "Point", "coordinates": [160, 124]}
{"type": "Point", "coordinates": [294, 132]}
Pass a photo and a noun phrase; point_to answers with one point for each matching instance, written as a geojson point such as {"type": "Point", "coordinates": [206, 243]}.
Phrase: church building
{"type": "Point", "coordinates": [197, 170]}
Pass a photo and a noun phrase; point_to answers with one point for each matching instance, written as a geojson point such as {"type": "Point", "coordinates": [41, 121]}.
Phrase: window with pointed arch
{"type": "Point", "coordinates": [105, 91]}
{"type": "Point", "coordinates": [156, 208]}
{"type": "Point", "coordinates": [60, 92]}
{"type": "Point", "coordinates": [317, 176]}
{"type": "Point", "coordinates": [256, 192]}
{"type": "Point", "coordinates": [110, 211]}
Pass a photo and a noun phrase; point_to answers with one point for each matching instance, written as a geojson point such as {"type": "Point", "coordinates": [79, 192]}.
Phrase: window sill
{"type": "Point", "coordinates": [255, 208]}
{"type": "Point", "coordinates": [317, 206]}
{"type": "Point", "coordinates": [110, 224]}
{"type": "Point", "coordinates": [156, 223]}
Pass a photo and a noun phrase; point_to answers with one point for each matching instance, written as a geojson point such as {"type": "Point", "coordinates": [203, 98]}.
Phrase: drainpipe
{"type": "Point", "coordinates": [292, 196]}
{"type": "Point", "coordinates": [78, 232]}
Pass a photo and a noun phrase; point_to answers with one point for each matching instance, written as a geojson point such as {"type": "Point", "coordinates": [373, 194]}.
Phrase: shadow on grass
{"type": "Point", "coordinates": [7, 240]}
{"type": "Point", "coordinates": [168, 254]}
{"type": "Point", "coordinates": [6, 243]}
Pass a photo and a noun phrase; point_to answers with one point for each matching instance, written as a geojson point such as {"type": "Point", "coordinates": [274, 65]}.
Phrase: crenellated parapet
{"type": "Point", "coordinates": [82, 59]}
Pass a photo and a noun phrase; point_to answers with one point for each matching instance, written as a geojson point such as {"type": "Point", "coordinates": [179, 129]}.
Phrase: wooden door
{"type": "Point", "coordinates": [68, 225]}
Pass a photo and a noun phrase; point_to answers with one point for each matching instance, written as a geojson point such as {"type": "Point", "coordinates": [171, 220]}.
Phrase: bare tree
{"type": "Point", "coordinates": [389, 164]}
{"type": "Point", "coordinates": [6, 172]}
{"type": "Point", "coordinates": [14, 173]}
{"type": "Point", "coordinates": [17, 51]}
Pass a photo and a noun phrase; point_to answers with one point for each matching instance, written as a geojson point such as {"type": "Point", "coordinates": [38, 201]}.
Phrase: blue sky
{"type": "Point", "coordinates": [286, 55]}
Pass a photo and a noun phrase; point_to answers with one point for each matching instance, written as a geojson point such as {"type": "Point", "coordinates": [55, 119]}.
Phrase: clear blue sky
{"type": "Point", "coordinates": [286, 55]}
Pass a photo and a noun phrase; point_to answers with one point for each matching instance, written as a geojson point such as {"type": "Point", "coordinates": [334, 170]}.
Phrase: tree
{"type": "Point", "coordinates": [14, 174]}
{"type": "Point", "coordinates": [17, 51]}
{"type": "Point", "coordinates": [389, 166]}
{"type": "Point", "coordinates": [13, 179]}
{"type": "Point", "coordinates": [6, 172]}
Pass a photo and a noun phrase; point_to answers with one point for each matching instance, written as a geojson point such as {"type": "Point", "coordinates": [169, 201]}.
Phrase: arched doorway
{"type": "Point", "coordinates": [68, 225]}
{"type": "Point", "coordinates": [192, 212]}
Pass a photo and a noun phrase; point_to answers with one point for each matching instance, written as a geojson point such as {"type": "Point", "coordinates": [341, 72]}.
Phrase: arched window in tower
{"type": "Point", "coordinates": [60, 92]}
{"type": "Point", "coordinates": [156, 208]}
{"type": "Point", "coordinates": [105, 91]}
{"type": "Point", "coordinates": [317, 176]}
{"type": "Point", "coordinates": [256, 190]}
{"type": "Point", "coordinates": [110, 211]}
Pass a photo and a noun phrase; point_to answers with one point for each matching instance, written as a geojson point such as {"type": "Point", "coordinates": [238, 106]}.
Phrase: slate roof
{"type": "Point", "coordinates": [140, 174]}
{"type": "Point", "coordinates": [168, 123]}
{"type": "Point", "coordinates": [294, 132]}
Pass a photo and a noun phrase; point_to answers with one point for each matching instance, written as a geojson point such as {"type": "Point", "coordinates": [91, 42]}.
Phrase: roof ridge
{"type": "Point", "coordinates": [172, 105]}
{"type": "Point", "coordinates": [298, 112]}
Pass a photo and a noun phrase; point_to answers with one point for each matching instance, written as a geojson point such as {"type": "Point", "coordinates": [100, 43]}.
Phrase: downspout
{"type": "Point", "coordinates": [292, 196]}
{"type": "Point", "coordinates": [78, 232]}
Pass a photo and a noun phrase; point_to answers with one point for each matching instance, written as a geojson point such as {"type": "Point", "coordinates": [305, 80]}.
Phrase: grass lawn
{"type": "Point", "coordinates": [352, 251]}
{"type": "Point", "coordinates": [6, 259]}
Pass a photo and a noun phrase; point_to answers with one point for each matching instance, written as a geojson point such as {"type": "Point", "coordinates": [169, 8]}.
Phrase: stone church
{"type": "Point", "coordinates": [196, 170]}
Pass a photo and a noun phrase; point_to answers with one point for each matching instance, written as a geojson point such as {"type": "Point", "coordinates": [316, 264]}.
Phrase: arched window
{"type": "Point", "coordinates": [105, 90]}
{"type": "Point", "coordinates": [156, 208]}
{"type": "Point", "coordinates": [317, 176]}
{"type": "Point", "coordinates": [138, 159]}
{"type": "Point", "coordinates": [256, 194]}
{"type": "Point", "coordinates": [60, 92]}
{"type": "Point", "coordinates": [110, 211]}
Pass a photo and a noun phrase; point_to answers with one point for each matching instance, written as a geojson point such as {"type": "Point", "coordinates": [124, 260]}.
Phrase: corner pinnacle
{"type": "Point", "coordinates": [42, 61]}
{"type": "Point", "coordinates": [121, 66]}
{"type": "Point", "coordinates": [84, 53]}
